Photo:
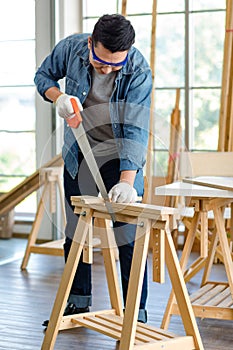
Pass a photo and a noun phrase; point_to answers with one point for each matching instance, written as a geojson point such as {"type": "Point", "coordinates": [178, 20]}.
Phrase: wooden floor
{"type": "Point", "coordinates": [27, 299]}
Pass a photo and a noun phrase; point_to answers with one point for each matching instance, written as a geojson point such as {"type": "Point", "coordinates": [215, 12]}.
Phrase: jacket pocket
{"type": "Point", "coordinates": [72, 87]}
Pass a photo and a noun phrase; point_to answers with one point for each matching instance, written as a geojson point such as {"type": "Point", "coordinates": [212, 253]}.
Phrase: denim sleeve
{"type": "Point", "coordinates": [52, 69]}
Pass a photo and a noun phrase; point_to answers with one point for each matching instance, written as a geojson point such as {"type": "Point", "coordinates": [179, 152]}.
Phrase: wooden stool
{"type": "Point", "coordinates": [113, 323]}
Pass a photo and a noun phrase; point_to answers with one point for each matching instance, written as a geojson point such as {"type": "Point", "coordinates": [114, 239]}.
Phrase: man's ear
{"type": "Point", "coordinates": [89, 42]}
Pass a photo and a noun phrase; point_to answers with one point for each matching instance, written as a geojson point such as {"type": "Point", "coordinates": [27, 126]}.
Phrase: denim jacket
{"type": "Point", "coordinates": [129, 102]}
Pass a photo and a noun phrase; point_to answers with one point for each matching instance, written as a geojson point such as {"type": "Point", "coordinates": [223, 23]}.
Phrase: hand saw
{"type": "Point", "coordinates": [85, 147]}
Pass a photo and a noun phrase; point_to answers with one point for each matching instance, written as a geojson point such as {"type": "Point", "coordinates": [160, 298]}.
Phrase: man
{"type": "Point", "coordinates": [111, 81]}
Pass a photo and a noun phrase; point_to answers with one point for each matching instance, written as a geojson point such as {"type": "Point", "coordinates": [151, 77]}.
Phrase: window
{"type": "Point", "coordinates": [189, 54]}
{"type": "Point", "coordinates": [17, 91]}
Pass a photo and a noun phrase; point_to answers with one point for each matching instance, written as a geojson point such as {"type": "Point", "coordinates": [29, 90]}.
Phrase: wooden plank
{"type": "Point", "coordinates": [157, 333]}
{"type": "Point", "coordinates": [114, 331]}
{"type": "Point", "coordinates": [206, 298]}
{"type": "Point", "coordinates": [38, 249]}
{"type": "Point", "coordinates": [115, 334]}
{"type": "Point", "coordinates": [219, 298]}
{"type": "Point", "coordinates": [123, 7]}
{"type": "Point", "coordinates": [178, 343]}
{"type": "Point", "coordinates": [219, 182]}
{"type": "Point", "coordinates": [158, 251]}
{"type": "Point", "coordinates": [54, 244]}
{"type": "Point", "coordinates": [228, 302]}
{"type": "Point", "coordinates": [194, 269]}
{"type": "Point", "coordinates": [204, 234]}
{"type": "Point", "coordinates": [144, 338]}
{"type": "Point", "coordinates": [202, 291]}
{"type": "Point", "coordinates": [88, 246]}
{"type": "Point", "coordinates": [134, 209]}
{"type": "Point", "coordinates": [193, 164]}
{"type": "Point", "coordinates": [136, 278]}
{"type": "Point", "coordinates": [174, 147]}
{"type": "Point", "coordinates": [150, 149]}
{"type": "Point", "coordinates": [226, 75]}
{"type": "Point", "coordinates": [215, 312]}
{"type": "Point", "coordinates": [12, 198]}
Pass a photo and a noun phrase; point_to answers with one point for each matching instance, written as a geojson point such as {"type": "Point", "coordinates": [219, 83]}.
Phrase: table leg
{"type": "Point", "coordinates": [219, 220]}
{"type": "Point", "coordinates": [181, 293]}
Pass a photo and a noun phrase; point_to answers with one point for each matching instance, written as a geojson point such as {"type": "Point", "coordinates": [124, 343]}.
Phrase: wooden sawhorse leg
{"type": "Point", "coordinates": [183, 263]}
{"type": "Point", "coordinates": [35, 229]}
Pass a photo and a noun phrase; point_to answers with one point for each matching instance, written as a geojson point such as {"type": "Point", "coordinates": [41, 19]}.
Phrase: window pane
{"type": "Point", "coordinates": [205, 118]}
{"type": "Point", "coordinates": [160, 164]}
{"type": "Point", "coordinates": [143, 35]}
{"type": "Point", "coordinates": [17, 109]}
{"type": "Point", "coordinates": [170, 51]}
{"type": "Point", "coordinates": [17, 62]}
{"type": "Point", "coordinates": [17, 154]}
{"type": "Point", "coordinates": [134, 7]}
{"type": "Point", "coordinates": [170, 6]}
{"type": "Point", "coordinates": [207, 4]}
{"type": "Point", "coordinates": [207, 48]}
{"type": "Point", "coordinates": [164, 104]}
{"type": "Point", "coordinates": [98, 8]}
{"type": "Point", "coordinates": [17, 20]}
{"type": "Point", "coordinates": [88, 25]}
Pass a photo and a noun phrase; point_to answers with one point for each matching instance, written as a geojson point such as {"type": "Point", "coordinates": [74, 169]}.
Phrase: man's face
{"type": "Point", "coordinates": [103, 60]}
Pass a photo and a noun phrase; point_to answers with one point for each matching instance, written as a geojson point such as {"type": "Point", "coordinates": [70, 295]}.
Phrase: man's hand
{"type": "Point", "coordinates": [66, 110]}
{"type": "Point", "coordinates": [123, 193]}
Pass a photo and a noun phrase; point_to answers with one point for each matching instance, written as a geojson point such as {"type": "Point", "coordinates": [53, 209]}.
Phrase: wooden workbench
{"type": "Point", "coordinates": [213, 299]}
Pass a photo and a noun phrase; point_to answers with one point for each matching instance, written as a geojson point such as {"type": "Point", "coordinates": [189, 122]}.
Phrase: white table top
{"type": "Point", "coordinates": [191, 190]}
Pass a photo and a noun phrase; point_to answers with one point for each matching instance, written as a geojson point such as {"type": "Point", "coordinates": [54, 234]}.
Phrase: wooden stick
{"type": "Point", "coordinates": [150, 156]}
{"type": "Point", "coordinates": [227, 63]}
{"type": "Point", "coordinates": [123, 8]}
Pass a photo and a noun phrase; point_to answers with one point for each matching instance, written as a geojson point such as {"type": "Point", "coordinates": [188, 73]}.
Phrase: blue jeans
{"type": "Point", "coordinates": [84, 184]}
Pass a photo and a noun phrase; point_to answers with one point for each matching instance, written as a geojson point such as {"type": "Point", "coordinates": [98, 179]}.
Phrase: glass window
{"type": "Point", "coordinates": [142, 39]}
{"type": "Point", "coordinates": [17, 62]}
{"type": "Point", "coordinates": [205, 111]}
{"type": "Point", "coordinates": [189, 55]}
{"type": "Point", "coordinates": [170, 6]}
{"type": "Point", "coordinates": [207, 48]}
{"type": "Point", "coordinates": [141, 7]}
{"type": "Point", "coordinates": [197, 5]}
{"type": "Point", "coordinates": [17, 20]}
{"type": "Point", "coordinates": [98, 8]}
{"type": "Point", "coordinates": [170, 51]}
{"type": "Point", "coordinates": [17, 95]}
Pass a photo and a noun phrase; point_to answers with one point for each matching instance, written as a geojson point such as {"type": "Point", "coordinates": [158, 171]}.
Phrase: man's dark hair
{"type": "Point", "coordinates": [114, 32]}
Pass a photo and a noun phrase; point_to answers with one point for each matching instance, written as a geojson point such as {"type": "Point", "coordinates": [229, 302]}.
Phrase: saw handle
{"type": "Point", "coordinates": [76, 110]}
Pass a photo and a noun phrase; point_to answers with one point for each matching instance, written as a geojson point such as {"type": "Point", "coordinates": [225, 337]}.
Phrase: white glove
{"type": "Point", "coordinates": [123, 193]}
{"type": "Point", "coordinates": [64, 106]}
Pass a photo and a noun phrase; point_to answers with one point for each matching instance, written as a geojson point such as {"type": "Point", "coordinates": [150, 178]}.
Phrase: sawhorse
{"type": "Point", "coordinates": [124, 327]}
{"type": "Point", "coordinates": [49, 177]}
